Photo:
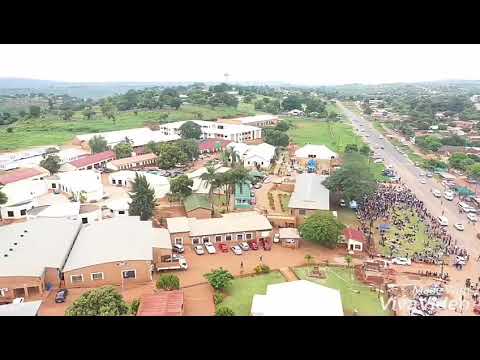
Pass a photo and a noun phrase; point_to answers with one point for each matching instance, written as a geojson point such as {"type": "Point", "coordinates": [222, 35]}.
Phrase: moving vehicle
{"type": "Point", "coordinates": [236, 250]}
{"type": "Point", "coordinates": [448, 195]}
{"type": "Point", "coordinates": [210, 248]}
{"type": "Point", "coordinates": [422, 174]}
{"type": "Point", "coordinates": [442, 220]}
{"type": "Point", "coordinates": [178, 248]}
{"type": "Point", "coordinates": [459, 226]}
{"type": "Point", "coordinates": [429, 174]}
{"type": "Point", "coordinates": [253, 245]}
{"type": "Point", "coordinates": [276, 238]}
{"type": "Point", "coordinates": [436, 193]}
{"type": "Point", "coordinates": [423, 181]}
{"type": "Point", "coordinates": [223, 247]}
{"type": "Point", "coordinates": [244, 246]}
{"type": "Point", "coordinates": [61, 296]}
{"type": "Point", "coordinates": [198, 249]}
{"type": "Point", "coordinates": [472, 217]}
{"type": "Point", "coordinates": [401, 261]}
{"type": "Point", "coordinates": [181, 264]}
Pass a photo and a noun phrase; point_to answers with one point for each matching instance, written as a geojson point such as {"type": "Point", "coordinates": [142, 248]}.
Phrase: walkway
{"type": "Point", "coordinates": [288, 274]}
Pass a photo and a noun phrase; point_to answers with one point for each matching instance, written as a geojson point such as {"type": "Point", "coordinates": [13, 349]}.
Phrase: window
{"type": "Point", "coordinates": [10, 213]}
{"type": "Point", "coordinates": [218, 238]}
{"type": "Point", "coordinates": [97, 276]}
{"type": "Point", "coordinates": [239, 237]}
{"type": "Point", "coordinates": [23, 212]}
{"type": "Point", "coordinates": [129, 274]}
{"type": "Point", "coordinates": [206, 239]}
{"type": "Point", "coordinates": [121, 212]}
{"type": "Point", "coordinates": [248, 236]}
{"type": "Point", "coordinates": [195, 241]}
{"type": "Point", "coordinates": [302, 211]}
{"type": "Point", "coordinates": [114, 181]}
{"type": "Point", "coordinates": [75, 279]}
{"type": "Point", "coordinates": [228, 237]}
{"type": "Point", "coordinates": [179, 241]}
{"type": "Point", "coordinates": [54, 186]}
{"type": "Point", "coordinates": [358, 247]}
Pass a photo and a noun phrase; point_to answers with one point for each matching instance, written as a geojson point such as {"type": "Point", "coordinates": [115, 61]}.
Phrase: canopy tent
{"type": "Point", "coordinates": [464, 191]}
{"type": "Point", "coordinates": [384, 227]}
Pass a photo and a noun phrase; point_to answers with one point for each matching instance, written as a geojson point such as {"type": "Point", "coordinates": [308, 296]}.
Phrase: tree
{"type": "Point", "coordinates": [181, 186]}
{"type": "Point", "coordinates": [175, 103]}
{"type": "Point", "coordinates": [460, 161]}
{"type": "Point", "coordinates": [109, 110]}
{"type": "Point", "coordinates": [323, 228]}
{"type": "Point", "coordinates": [52, 163]}
{"type": "Point", "coordinates": [67, 115]}
{"type": "Point", "coordinates": [224, 311]}
{"type": "Point", "coordinates": [229, 157]}
{"type": "Point", "coordinates": [219, 278]}
{"type": "Point", "coordinates": [3, 198]}
{"type": "Point", "coordinates": [292, 102]}
{"type": "Point", "coordinates": [123, 150]}
{"type": "Point", "coordinates": [190, 130]}
{"type": "Point", "coordinates": [276, 138]}
{"type": "Point", "coordinates": [365, 150]}
{"type": "Point", "coordinates": [169, 155]}
{"type": "Point", "coordinates": [432, 164]}
{"type": "Point", "coordinates": [355, 178]}
{"type": "Point", "coordinates": [98, 144]}
{"type": "Point", "coordinates": [189, 147]}
{"type": "Point", "coordinates": [143, 198]}
{"type": "Point", "coordinates": [282, 126]}
{"type": "Point", "coordinates": [88, 113]}
{"type": "Point", "coordinates": [168, 282]}
{"type": "Point", "coordinates": [134, 306]}
{"type": "Point", "coordinates": [351, 148]}
{"type": "Point", "coordinates": [34, 111]}
{"type": "Point", "coordinates": [210, 178]}
{"type": "Point", "coordinates": [104, 301]}
{"type": "Point", "coordinates": [473, 171]}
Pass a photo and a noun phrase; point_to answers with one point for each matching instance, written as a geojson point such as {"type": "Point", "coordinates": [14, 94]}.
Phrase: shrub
{"type": "Point", "coordinates": [219, 278]}
{"type": "Point", "coordinates": [224, 311]}
{"type": "Point", "coordinates": [262, 269]}
{"type": "Point", "coordinates": [218, 297]}
{"type": "Point", "coordinates": [168, 282]}
{"type": "Point", "coordinates": [134, 306]}
{"type": "Point", "coordinates": [9, 130]}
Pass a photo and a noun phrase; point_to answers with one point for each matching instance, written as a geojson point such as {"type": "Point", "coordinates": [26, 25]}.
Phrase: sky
{"type": "Point", "coordinates": [295, 64]}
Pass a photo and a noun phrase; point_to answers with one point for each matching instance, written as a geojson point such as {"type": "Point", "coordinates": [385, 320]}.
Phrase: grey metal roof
{"type": "Point", "coordinates": [32, 246]}
{"type": "Point", "coordinates": [310, 193]}
{"type": "Point", "coordinates": [23, 309]}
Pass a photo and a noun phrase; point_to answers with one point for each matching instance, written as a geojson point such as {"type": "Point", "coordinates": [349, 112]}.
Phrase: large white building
{"type": "Point", "coordinates": [125, 178]}
{"type": "Point", "coordinates": [216, 130]}
{"type": "Point", "coordinates": [33, 157]}
{"type": "Point", "coordinates": [81, 183]}
{"type": "Point", "coordinates": [22, 196]}
{"type": "Point", "coordinates": [253, 156]}
{"type": "Point", "coordinates": [137, 137]}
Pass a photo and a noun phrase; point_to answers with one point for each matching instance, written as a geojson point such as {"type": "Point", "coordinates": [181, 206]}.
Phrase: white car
{"type": "Point", "coordinates": [448, 195]}
{"type": "Point", "coordinates": [442, 220]}
{"type": "Point", "coordinates": [422, 174]}
{"type": "Point", "coordinates": [198, 249]}
{"type": "Point", "coordinates": [459, 227]}
{"type": "Point", "coordinates": [436, 193]}
{"type": "Point", "coordinates": [472, 217]}
{"type": "Point", "coordinates": [210, 248]}
{"type": "Point", "coordinates": [423, 181]}
{"type": "Point", "coordinates": [236, 250]}
{"type": "Point", "coordinates": [401, 261]}
{"type": "Point", "coordinates": [378, 161]}
{"type": "Point", "coordinates": [276, 238]}
{"type": "Point", "coordinates": [18, 300]}
{"type": "Point", "coordinates": [244, 246]}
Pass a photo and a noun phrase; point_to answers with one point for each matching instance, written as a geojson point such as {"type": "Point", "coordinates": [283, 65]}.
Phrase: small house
{"type": "Point", "coordinates": [355, 239]}
{"type": "Point", "coordinates": [198, 206]}
{"type": "Point", "coordinates": [289, 237]}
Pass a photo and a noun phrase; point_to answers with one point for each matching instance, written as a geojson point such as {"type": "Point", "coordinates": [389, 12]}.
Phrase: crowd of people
{"type": "Point", "coordinates": [398, 205]}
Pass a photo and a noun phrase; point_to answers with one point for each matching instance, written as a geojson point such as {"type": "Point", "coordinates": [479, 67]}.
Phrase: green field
{"type": "Point", "coordinates": [241, 291]}
{"type": "Point", "coordinates": [52, 130]}
{"type": "Point", "coordinates": [335, 135]}
{"type": "Point", "coordinates": [355, 295]}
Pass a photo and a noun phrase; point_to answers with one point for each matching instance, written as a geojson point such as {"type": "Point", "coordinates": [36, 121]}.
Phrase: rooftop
{"type": "Point", "coordinates": [212, 144]}
{"type": "Point", "coordinates": [320, 151]}
{"type": "Point", "coordinates": [256, 118]}
{"type": "Point", "coordinates": [93, 159]}
{"type": "Point", "coordinates": [196, 201]}
{"type": "Point", "coordinates": [28, 248]}
{"type": "Point", "coordinates": [138, 136]}
{"type": "Point", "coordinates": [165, 303]}
{"type": "Point", "coordinates": [354, 234]}
{"type": "Point", "coordinates": [178, 224]}
{"type": "Point", "coordinates": [29, 308]}
{"type": "Point", "coordinates": [10, 176]}
{"type": "Point", "coordinates": [116, 239]}
{"type": "Point", "coordinates": [134, 159]}
{"type": "Point", "coordinates": [310, 193]}
{"type": "Point", "coordinates": [289, 233]}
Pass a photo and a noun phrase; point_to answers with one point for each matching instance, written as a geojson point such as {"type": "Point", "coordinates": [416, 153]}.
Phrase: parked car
{"type": "Point", "coordinates": [459, 226]}
{"type": "Point", "coordinates": [448, 195]}
{"type": "Point", "coordinates": [442, 220]}
{"type": "Point", "coordinates": [18, 300]}
{"type": "Point", "coordinates": [276, 238]}
{"type": "Point", "coordinates": [257, 185]}
{"type": "Point", "coordinates": [253, 245]}
{"type": "Point", "coordinates": [423, 181]}
{"type": "Point", "coordinates": [210, 248]}
{"type": "Point", "coordinates": [429, 174]}
{"type": "Point", "coordinates": [267, 245]}
{"type": "Point", "coordinates": [436, 193]}
{"type": "Point", "coordinates": [236, 250]}
{"type": "Point", "coordinates": [401, 261]}
{"type": "Point", "coordinates": [178, 248]}
{"type": "Point", "coordinates": [223, 247]}
{"type": "Point", "coordinates": [198, 249]}
{"type": "Point", "coordinates": [472, 217]}
{"type": "Point", "coordinates": [244, 246]}
{"type": "Point", "coordinates": [61, 296]}
{"type": "Point", "coordinates": [267, 180]}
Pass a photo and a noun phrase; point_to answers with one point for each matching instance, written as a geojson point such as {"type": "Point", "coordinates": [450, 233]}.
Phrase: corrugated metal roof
{"type": "Point", "coordinates": [310, 193]}
{"type": "Point", "coordinates": [20, 174]}
{"type": "Point", "coordinates": [165, 303]}
{"type": "Point", "coordinates": [93, 159]}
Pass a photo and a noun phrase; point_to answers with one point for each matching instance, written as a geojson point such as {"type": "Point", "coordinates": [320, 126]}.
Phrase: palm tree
{"type": "Point", "coordinates": [209, 177]}
{"type": "Point", "coordinates": [230, 157]}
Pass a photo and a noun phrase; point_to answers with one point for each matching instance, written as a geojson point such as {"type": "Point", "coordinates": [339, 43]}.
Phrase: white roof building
{"type": "Point", "coordinates": [298, 298]}
{"type": "Point", "coordinates": [160, 184]}
{"type": "Point", "coordinates": [216, 130]}
{"type": "Point", "coordinates": [320, 152]}
{"type": "Point", "coordinates": [116, 239]}
{"type": "Point", "coordinates": [27, 248]}
{"type": "Point", "coordinates": [24, 191]}
{"type": "Point", "coordinates": [29, 308]}
{"type": "Point", "coordinates": [34, 157]}
{"type": "Point", "coordinates": [87, 182]}
{"type": "Point", "coordinates": [138, 136]}
{"type": "Point", "coordinates": [310, 193]}
{"type": "Point", "coordinates": [251, 155]}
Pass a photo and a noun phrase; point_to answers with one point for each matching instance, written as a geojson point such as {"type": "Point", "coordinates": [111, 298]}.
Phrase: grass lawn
{"type": "Point", "coordinates": [362, 299]}
{"type": "Point", "coordinates": [52, 130]}
{"type": "Point", "coordinates": [334, 135]}
{"type": "Point", "coordinates": [421, 239]}
{"type": "Point", "coordinates": [347, 216]}
{"type": "Point", "coordinates": [378, 171]}
{"type": "Point", "coordinates": [241, 291]}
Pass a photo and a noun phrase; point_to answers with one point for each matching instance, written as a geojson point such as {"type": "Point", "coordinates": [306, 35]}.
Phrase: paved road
{"type": "Point", "coordinates": [409, 174]}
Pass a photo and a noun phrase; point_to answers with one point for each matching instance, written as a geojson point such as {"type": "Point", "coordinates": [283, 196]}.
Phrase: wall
{"type": "Point", "coordinates": [185, 237]}
{"type": "Point", "coordinates": [158, 253]}
{"type": "Point", "coordinates": [16, 211]}
{"type": "Point", "coordinates": [12, 282]}
{"type": "Point", "coordinates": [52, 276]}
{"type": "Point", "coordinates": [200, 213]}
{"type": "Point", "coordinates": [112, 273]}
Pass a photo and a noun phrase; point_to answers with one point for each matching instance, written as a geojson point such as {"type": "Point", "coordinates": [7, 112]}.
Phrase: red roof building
{"type": "Point", "coordinates": [93, 161]}
{"type": "Point", "coordinates": [353, 234]}
{"type": "Point", "coordinates": [21, 174]}
{"type": "Point", "coordinates": [165, 303]}
{"type": "Point", "coordinates": [212, 145]}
